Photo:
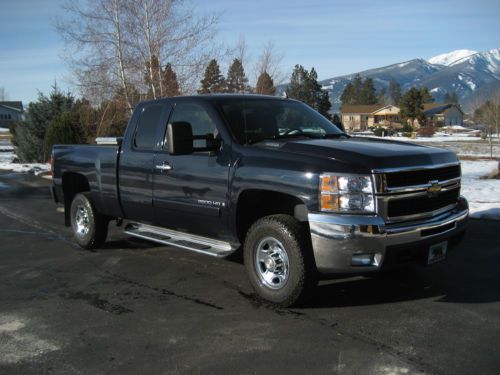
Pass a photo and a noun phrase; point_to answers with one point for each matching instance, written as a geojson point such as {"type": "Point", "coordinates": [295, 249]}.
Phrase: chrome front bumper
{"type": "Point", "coordinates": [341, 242]}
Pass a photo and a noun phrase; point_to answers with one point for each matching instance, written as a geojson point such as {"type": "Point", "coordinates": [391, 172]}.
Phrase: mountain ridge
{"type": "Point", "coordinates": [465, 75]}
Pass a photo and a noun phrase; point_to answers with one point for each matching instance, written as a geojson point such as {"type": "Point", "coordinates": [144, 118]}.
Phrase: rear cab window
{"type": "Point", "coordinates": [147, 127]}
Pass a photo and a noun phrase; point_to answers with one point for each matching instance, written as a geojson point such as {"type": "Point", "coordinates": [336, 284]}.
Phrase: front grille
{"type": "Point", "coordinates": [421, 204]}
{"type": "Point", "coordinates": [422, 176]}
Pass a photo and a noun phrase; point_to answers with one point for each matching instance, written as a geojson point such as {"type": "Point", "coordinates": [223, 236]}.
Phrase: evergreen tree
{"type": "Point", "coordinates": [64, 129]}
{"type": "Point", "coordinates": [394, 92]}
{"type": "Point", "coordinates": [359, 91]}
{"type": "Point", "coordinates": [426, 95]}
{"type": "Point", "coordinates": [213, 81]}
{"type": "Point", "coordinates": [348, 94]}
{"type": "Point", "coordinates": [236, 80]}
{"type": "Point", "coordinates": [367, 92]}
{"type": "Point", "coordinates": [30, 134]}
{"type": "Point", "coordinates": [265, 85]}
{"type": "Point", "coordinates": [304, 86]}
{"type": "Point", "coordinates": [169, 82]}
{"type": "Point", "coordinates": [382, 96]}
{"type": "Point", "coordinates": [451, 98]}
{"type": "Point", "coordinates": [412, 105]}
{"type": "Point", "coordinates": [89, 118]}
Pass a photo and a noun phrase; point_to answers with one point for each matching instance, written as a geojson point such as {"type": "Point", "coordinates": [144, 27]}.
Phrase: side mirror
{"type": "Point", "coordinates": [180, 138]}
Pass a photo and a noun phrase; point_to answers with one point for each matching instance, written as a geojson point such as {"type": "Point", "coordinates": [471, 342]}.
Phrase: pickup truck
{"type": "Point", "coordinates": [270, 177]}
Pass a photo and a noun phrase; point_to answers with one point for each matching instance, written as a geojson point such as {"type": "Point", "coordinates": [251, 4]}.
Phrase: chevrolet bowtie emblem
{"type": "Point", "coordinates": [434, 189]}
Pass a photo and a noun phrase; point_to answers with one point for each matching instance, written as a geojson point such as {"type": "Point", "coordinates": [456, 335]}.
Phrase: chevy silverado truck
{"type": "Point", "coordinates": [270, 177]}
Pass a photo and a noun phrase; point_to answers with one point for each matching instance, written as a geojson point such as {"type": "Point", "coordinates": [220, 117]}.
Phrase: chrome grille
{"type": "Point", "coordinates": [414, 193]}
{"type": "Point", "coordinates": [421, 177]}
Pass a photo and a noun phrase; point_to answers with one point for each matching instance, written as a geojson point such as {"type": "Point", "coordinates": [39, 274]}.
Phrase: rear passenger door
{"type": "Point", "coordinates": [191, 195]}
{"type": "Point", "coordinates": [137, 158]}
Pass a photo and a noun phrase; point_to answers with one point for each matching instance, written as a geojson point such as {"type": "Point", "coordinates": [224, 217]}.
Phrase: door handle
{"type": "Point", "coordinates": [164, 167]}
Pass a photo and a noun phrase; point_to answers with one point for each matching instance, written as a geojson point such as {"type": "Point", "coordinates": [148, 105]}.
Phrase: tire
{"type": "Point", "coordinates": [279, 260]}
{"type": "Point", "coordinates": [90, 228]}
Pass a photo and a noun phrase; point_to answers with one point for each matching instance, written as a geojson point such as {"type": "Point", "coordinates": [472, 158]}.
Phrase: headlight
{"type": "Point", "coordinates": [346, 193]}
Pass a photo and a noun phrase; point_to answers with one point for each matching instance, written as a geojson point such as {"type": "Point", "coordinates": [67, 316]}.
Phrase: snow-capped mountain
{"type": "Point", "coordinates": [466, 75]}
{"type": "Point", "coordinates": [451, 58]}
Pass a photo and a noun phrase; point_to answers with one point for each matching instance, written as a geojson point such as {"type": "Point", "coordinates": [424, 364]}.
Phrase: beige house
{"type": "Point", "coordinates": [363, 117]}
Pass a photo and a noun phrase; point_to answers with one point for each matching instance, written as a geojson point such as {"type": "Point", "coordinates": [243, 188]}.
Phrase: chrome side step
{"type": "Point", "coordinates": [182, 240]}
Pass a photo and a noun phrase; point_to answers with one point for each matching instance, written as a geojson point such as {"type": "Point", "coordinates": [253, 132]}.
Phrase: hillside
{"type": "Point", "coordinates": [464, 72]}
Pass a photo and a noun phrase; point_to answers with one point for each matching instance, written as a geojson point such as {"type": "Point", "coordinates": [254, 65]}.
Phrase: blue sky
{"type": "Point", "coordinates": [336, 37]}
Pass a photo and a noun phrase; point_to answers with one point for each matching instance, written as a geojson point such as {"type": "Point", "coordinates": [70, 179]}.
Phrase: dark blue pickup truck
{"type": "Point", "coordinates": [270, 177]}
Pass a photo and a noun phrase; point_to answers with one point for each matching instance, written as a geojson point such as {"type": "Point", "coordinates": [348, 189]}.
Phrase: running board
{"type": "Point", "coordinates": [182, 240]}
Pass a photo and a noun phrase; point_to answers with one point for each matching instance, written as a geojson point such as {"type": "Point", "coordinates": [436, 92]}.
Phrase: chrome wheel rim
{"type": "Point", "coordinates": [82, 221]}
{"type": "Point", "coordinates": [271, 263]}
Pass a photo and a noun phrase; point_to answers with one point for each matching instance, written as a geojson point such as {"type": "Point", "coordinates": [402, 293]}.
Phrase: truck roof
{"type": "Point", "coordinates": [210, 97]}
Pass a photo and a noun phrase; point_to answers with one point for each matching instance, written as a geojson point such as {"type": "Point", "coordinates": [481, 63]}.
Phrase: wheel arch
{"type": "Point", "coordinates": [254, 204]}
{"type": "Point", "coordinates": [72, 184]}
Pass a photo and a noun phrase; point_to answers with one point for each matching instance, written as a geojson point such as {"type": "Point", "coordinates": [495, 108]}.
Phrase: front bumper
{"type": "Point", "coordinates": [340, 241]}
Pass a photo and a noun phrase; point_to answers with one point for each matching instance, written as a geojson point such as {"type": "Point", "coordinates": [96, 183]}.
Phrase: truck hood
{"type": "Point", "coordinates": [369, 153]}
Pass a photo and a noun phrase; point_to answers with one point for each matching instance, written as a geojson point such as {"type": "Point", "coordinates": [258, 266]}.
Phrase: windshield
{"type": "Point", "coordinates": [253, 120]}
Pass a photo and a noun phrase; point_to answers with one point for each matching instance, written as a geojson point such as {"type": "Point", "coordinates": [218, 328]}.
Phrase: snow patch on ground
{"type": "Point", "coordinates": [483, 194]}
{"type": "Point", "coordinates": [7, 157]}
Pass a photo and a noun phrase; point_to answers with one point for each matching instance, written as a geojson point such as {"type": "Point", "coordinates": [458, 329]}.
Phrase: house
{"type": "Point", "coordinates": [362, 117]}
{"type": "Point", "coordinates": [358, 117]}
{"type": "Point", "coordinates": [10, 112]}
{"type": "Point", "coordinates": [443, 114]}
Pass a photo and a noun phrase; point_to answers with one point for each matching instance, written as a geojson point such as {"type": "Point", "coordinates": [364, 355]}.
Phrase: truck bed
{"type": "Point", "coordinates": [98, 163]}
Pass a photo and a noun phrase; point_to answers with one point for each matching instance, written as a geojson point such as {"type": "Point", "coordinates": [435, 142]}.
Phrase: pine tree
{"type": "Point", "coordinates": [412, 105]}
{"type": "Point", "coordinates": [359, 91]}
{"type": "Point", "coordinates": [426, 95]}
{"type": "Point", "coordinates": [213, 81]}
{"type": "Point", "coordinates": [63, 129]}
{"type": "Point", "coordinates": [236, 80]}
{"type": "Point", "coordinates": [382, 96]}
{"type": "Point", "coordinates": [347, 96]}
{"type": "Point", "coordinates": [169, 82]}
{"type": "Point", "coordinates": [394, 92]}
{"type": "Point", "coordinates": [304, 86]}
{"type": "Point", "coordinates": [367, 94]}
{"type": "Point", "coordinates": [30, 133]}
{"type": "Point", "coordinates": [265, 85]}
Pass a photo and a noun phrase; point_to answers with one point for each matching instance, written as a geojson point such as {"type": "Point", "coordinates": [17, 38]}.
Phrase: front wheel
{"type": "Point", "coordinates": [90, 228]}
{"type": "Point", "coordinates": [279, 260]}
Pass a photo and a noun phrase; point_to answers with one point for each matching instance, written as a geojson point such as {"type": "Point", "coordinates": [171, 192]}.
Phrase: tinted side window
{"type": "Point", "coordinates": [199, 119]}
{"type": "Point", "coordinates": [145, 135]}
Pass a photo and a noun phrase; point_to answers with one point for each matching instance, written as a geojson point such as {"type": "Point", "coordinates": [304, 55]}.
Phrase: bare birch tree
{"type": "Point", "coordinates": [270, 61]}
{"type": "Point", "coordinates": [98, 49]}
{"type": "Point", "coordinates": [113, 43]}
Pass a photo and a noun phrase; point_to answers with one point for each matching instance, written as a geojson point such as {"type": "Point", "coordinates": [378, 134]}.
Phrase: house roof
{"type": "Point", "coordinates": [359, 109]}
{"type": "Point", "coordinates": [387, 110]}
{"type": "Point", "coordinates": [431, 109]}
{"type": "Point", "coordinates": [17, 106]}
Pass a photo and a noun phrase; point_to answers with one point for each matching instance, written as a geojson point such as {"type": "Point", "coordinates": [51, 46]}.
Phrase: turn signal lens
{"type": "Point", "coordinates": [346, 193]}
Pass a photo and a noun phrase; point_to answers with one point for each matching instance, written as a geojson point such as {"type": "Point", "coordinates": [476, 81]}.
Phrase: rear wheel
{"type": "Point", "coordinates": [90, 228]}
{"type": "Point", "coordinates": [279, 260]}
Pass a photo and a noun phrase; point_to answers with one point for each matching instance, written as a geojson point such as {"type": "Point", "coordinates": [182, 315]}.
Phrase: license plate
{"type": "Point", "coordinates": [437, 252]}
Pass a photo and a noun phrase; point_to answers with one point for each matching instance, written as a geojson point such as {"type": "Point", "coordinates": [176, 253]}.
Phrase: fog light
{"type": "Point", "coordinates": [360, 260]}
